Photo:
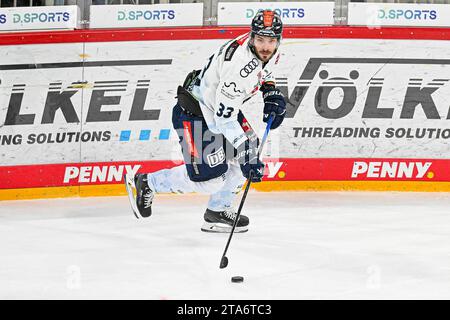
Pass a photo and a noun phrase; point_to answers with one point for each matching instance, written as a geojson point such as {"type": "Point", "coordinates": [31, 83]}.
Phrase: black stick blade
{"type": "Point", "coordinates": [223, 262]}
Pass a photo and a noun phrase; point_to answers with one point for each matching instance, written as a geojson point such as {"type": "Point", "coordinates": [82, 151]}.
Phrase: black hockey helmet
{"type": "Point", "coordinates": [267, 23]}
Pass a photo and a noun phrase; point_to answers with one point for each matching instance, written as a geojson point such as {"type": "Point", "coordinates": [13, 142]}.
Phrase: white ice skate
{"type": "Point", "coordinates": [131, 190]}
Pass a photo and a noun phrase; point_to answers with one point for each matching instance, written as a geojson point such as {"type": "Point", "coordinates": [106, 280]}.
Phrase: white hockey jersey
{"type": "Point", "coordinates": [232, 75]}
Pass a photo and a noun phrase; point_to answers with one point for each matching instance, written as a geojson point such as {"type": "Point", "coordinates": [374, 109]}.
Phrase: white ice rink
{"type": "Point", "coordinates": [301, 245]}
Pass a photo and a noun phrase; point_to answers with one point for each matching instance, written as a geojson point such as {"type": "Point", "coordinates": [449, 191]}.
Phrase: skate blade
{"type": "Point", "coordinates": [131, 189]}
{"type": "Point", "coordinates": [221, 228]}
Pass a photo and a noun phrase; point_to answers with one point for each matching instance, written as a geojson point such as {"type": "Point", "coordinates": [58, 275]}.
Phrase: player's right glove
{"type": "Point", "coordinates": [247, 155]}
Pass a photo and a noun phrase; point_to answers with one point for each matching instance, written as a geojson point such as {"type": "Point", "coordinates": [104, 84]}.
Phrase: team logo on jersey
{"type": "Point", "coordinates": [229, 90]}
{"type": "Point", "coordinates": [249, 68]}
{"type": "Point", "coordinates": [233, 86]}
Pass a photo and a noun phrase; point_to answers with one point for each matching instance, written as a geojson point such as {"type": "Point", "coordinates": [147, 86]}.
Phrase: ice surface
{"type": "Point", "coordinates": [301, 245]}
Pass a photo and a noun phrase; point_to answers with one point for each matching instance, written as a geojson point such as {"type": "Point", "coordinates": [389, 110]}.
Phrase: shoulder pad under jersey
{"type": "Point", "coordinates": [233, 47]}
{"type": "Point", "coordinates": [231, 50]}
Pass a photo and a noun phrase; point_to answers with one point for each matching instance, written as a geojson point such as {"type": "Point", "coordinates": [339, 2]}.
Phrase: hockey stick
{"type": "Point", "coordinates": [224, 260]}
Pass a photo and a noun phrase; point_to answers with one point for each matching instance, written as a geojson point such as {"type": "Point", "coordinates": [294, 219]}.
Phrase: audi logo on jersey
{"type": "Point", "coordinates": [249, 67]}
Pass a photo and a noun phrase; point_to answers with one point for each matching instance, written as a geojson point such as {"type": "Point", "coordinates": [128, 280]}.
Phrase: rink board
{"type": "Point", "coordinates": [99, 179]}
{"type": "Point", "coordinates": [100, 102]}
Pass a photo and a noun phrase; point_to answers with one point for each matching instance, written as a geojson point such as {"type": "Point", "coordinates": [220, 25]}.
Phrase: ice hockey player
{"type": "Point", "coordinates": [219, 147]}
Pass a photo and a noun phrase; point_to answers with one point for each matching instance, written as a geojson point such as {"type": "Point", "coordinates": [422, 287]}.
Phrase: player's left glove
{"type": "Point", "coordinates": [247, 156]}
{"type": "Point", "coordinates": [273, 102]}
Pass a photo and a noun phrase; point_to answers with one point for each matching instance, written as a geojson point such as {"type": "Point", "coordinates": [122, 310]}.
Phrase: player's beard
{"type": "Point", "coordinates": [265, 56]}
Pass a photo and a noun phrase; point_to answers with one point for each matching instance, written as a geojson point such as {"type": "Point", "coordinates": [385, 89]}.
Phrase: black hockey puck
{"type": "Point", "coordinates": [237, 279]}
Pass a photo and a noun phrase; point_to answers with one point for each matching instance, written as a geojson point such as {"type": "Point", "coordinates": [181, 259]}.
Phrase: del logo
{"type": "Point", "coordinates": [88, 174]}
{"type": "Point", "coordinates": [391, 169]}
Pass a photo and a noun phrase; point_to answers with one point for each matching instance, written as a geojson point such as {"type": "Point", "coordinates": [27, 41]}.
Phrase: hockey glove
{"type": "Point", "coordinates": [247, 155]}
{"type": "Point", "coordinates": [273, 102]}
